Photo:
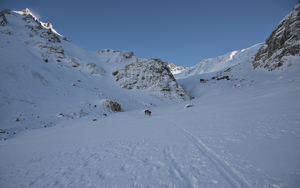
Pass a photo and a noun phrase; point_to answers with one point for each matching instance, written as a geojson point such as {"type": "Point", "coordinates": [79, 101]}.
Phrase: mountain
{"type": "Point", "coordinates": [40, 66]}
{"type": "Point", "coordinates": [42, 72]}
{"type": "Point", "coordinates": [279, 51]}
{"type": "Point", "coordinates": [59, 125]}
{"type": "Point", "coordinates": [282, 47]}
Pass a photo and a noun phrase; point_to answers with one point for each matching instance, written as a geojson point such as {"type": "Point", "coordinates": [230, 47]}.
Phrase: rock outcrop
{"type": "Point", "coordinates": [116, 55]}
{"type": "Point", "coordinates": [152, 75]}
{"type": "Point", "coordinates": [48, 25]}
{"type": "Point", "coordinates": [282, 45]}
{"type": "Point", "coordinates": [112, 105]}
{"type": "Point", "coordinates": [50, 36]}
{"type": "Point", "coordinates": [174, 68]}
{"type": "Point", "coordinates": [3, 19]}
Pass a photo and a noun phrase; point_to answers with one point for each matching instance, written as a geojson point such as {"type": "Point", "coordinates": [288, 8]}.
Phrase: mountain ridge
{"type": "Point", "coordinates": [283, 44]}
{"type": "Point", "coordinates": [42, 73]}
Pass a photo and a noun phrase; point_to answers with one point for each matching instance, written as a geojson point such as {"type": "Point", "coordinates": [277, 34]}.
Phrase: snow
{"type": "Point", "coordinates": [232, 54]}
{"type": "Point", "coordinates": [242, 132]}
{"type": "Point", "coordinates": [247, 138]}
{"type": "Point", "coordinates": [219, 63]}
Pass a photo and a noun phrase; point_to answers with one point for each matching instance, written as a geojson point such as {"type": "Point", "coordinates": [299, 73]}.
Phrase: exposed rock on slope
{"type": "Point", "coordinates": [50, 36]}
{"type": "Point", "coordinates": [48, 32]}
{"type": "Point", "coordinates": [175, 68]}
{"type": "Point", "coordinates": [109, 55]}
{"type": "Point", "coordinates": [112, 105]}
{"type": "Point", "coordinates": [152, 75]}
{"type": "Point", "coordinates": [3, 19]}
{"type": "Point", "coordinates": [46, 41]}
{"type": "Point", "coordinates": [282, 45]}
{"type": "Point", "coordinates": [48, 25]}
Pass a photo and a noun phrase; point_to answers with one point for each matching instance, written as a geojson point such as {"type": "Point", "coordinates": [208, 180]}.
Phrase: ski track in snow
{"type": "Point", "coordinates": [153, 161]}
{"type": "Point", "coordinates": [234, 177]}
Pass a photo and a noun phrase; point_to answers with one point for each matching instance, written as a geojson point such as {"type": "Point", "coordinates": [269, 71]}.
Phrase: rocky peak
{"type": "Point", "coordinates": [48, 25]}
{"type": "Point", "coordinates": [27, 12]}
{"type": "Point", "coordinates": [46, 28]}
{"type": "Point", "coordinates": [282, 45]}
{"type": "Point", "coordinates": [174, 68]}
{"type": "Point", "coordinates": [152, 75]}
{"type": "Point", "coordinates": [171, 66]}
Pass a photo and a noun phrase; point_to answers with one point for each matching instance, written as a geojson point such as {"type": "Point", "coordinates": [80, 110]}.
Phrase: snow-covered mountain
{"type": "Point", "coordinates": [44, 73]}
{"type": "Point", "coordinates": [219, 63]}
{"type": "Point", "coordinates": [58, 126]}
{"type": "Point", "coordinates": [175, 69]}
{"type": "Point", "coordinates": [279, 51]}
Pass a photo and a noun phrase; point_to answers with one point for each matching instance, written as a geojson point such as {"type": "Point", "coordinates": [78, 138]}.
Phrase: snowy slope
{"type": "Point", "coordinates": [46, 79]}
{"type": "Point", "coordinates": [246, 137]}
{"type": "Point", "coordinates": [219, 63]}
{"type": "Point", "coordinates": [241, 130]}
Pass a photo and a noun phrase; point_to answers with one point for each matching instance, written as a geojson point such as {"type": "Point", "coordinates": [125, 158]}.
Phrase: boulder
{"type": "Point", "coordinates": [112, 105]}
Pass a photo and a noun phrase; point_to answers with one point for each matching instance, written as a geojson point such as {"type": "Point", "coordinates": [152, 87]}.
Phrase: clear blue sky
{"type": "Point", "coordinates": [182, 32]}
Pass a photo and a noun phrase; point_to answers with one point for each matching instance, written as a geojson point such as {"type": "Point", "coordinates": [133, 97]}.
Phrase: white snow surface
{"type": "Point", "coordinates": [242, 132]}
{"type": "Point", "coordinates": [219, 63]}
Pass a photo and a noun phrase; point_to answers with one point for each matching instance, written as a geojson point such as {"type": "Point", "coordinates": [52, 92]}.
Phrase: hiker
{"type": "Point", "coordinates": [146, 111]}
{"type": "Point", "coordinates": [149, 112]}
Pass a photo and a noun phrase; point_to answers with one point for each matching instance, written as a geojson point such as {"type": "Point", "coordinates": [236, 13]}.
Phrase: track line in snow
{"type": "Point", "coordinates": [234, 177]}
{"type": "Point", "coordinates": [177, 172]}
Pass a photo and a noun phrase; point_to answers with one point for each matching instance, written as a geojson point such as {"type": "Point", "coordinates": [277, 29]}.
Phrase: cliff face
{"type": "Point", "coordinates": [282, 46]}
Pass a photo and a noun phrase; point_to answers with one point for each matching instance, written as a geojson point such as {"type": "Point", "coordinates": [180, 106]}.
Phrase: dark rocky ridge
{"type": "Point", "coordinates": [284, 41]}
{"type": "Point", "coordinates": [3, 19]}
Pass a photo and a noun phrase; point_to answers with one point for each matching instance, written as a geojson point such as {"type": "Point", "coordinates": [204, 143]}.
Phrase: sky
{"type": "Point", "coordinates": [183, 32]}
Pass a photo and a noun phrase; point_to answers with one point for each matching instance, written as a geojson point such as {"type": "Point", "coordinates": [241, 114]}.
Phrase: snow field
{"type": "Point", "coordinates": [246, 138]}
